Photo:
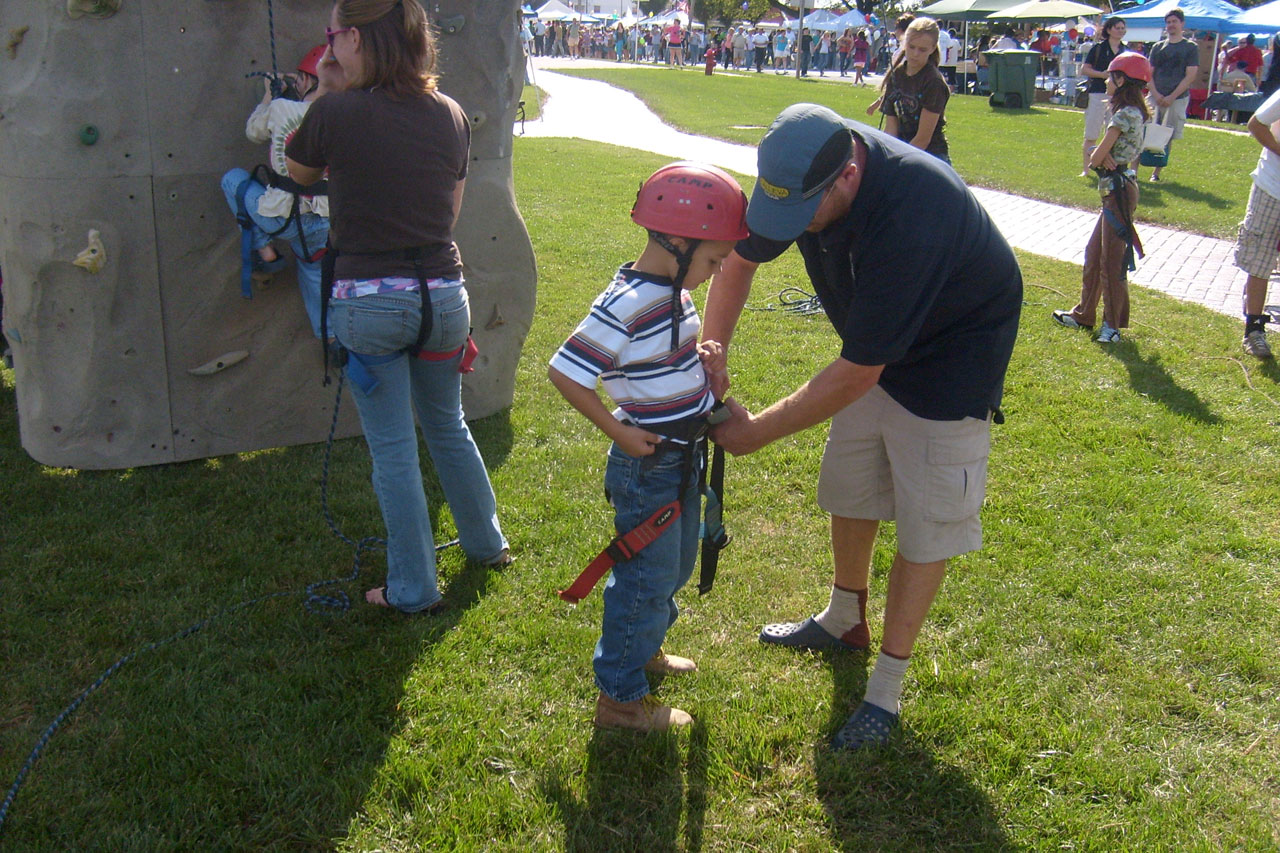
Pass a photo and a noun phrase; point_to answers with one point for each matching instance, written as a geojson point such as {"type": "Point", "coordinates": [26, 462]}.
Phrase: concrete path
{"type": "Point", "coordinates": [1187, 266]}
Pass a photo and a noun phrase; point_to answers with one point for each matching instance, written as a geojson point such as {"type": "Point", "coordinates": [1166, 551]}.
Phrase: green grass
{"type": "Point", "coordinates": [1033, 152]}
{"type": "Point", "coordinates": [533, 98]}
{"type": "Point", "coordinates": [1101, 676]}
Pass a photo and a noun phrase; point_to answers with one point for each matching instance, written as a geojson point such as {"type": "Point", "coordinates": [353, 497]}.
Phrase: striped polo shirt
{"type": "Point", "coordinates": [625, 342]}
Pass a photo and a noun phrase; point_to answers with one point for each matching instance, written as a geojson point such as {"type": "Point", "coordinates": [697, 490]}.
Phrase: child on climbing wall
{"type": "Point", "coordinates": [640, 340]}
{"type": "Point", "coordinates": [282, 210]}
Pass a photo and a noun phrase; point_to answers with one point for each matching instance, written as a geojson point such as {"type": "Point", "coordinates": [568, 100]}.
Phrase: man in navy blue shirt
{"type": "Point", "coordinates": [925, 295]}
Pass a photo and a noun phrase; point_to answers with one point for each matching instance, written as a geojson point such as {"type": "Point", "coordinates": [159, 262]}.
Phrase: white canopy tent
{"type": "Point", "coordinates": [554, 10]}
{"type": "Point", "coordinates": [821, 20]}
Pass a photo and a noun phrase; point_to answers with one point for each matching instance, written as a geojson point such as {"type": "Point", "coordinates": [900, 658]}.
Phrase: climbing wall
{"type": "Point", "coordinates": [121, 122]}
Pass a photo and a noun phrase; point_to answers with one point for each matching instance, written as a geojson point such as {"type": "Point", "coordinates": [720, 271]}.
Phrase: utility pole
{"type": "Point", "coordinates": [799, 32]}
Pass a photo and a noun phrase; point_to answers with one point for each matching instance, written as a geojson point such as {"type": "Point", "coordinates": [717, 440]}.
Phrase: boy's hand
{"type": "Point", "coordinates": [715, 363]}
{"type": "Point", "coordinates": [635, 441]}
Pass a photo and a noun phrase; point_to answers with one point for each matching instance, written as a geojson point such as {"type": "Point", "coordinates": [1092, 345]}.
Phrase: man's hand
{"type": "Point", "coordinates": [715, 363]}
{"type": "Point", "coordinates": [738, 435]}
{"type": "Point", "coordinates": [635, 441]}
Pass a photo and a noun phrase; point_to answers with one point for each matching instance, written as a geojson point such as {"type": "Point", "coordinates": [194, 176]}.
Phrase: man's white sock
{"type": "Point", "coordinates": [884, 687]}
{"type": "Point", "coordinates": [843, 612]}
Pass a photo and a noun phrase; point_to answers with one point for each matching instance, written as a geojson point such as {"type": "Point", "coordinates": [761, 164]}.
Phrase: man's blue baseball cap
{"type": "Point", "coordinates": [803, 152]}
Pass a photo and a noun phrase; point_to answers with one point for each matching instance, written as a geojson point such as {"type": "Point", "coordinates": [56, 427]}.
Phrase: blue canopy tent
{"type": "Point", "coordinates": [1211, 16]}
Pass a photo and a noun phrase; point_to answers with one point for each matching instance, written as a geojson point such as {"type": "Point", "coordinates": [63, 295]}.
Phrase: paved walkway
{"type": "Point", "coordinates": [1187, 266]}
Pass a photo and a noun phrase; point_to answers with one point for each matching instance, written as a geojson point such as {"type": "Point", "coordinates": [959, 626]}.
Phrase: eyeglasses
{"type": "Point", "coordinates": [332, 34]}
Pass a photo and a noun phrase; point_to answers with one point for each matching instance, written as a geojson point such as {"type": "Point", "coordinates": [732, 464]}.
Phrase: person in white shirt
{"type": "Point", "coordinates": [1260, 231]}
{"type": "Point", "coordinates": [947, 50]}
{"type": "Point", "coordinates": [760, 44]}
{"type": "Point", "coordinates": [1008, 41]}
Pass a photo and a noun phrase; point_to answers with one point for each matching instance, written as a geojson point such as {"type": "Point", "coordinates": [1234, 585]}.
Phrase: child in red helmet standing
{"type": "Point", "coordinates": [1109, 255]}
{"type": "Point", "coordinates": [641, 341]}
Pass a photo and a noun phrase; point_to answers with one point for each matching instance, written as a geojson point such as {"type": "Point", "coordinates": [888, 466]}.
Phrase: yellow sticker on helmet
{"type": "Point", "coordinates": [772, 191]}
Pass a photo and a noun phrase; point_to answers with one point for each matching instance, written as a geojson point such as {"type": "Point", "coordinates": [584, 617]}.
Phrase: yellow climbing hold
{"type": "Point", "coordinates": [94, 254]}
{"type": "Point", "coordinates": [16, 36]}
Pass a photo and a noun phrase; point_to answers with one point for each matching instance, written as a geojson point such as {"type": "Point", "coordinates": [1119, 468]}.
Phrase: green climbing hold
{"type": "Point", "coordinates": [92, 8]}
{"type": "Point", "coordinates": [88, 134]}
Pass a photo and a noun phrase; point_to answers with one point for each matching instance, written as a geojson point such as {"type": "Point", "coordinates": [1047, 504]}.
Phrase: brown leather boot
{"type": "Point", "coordinates": [646, 714]}
{"type": "Point", "coordinates": [665, 664]}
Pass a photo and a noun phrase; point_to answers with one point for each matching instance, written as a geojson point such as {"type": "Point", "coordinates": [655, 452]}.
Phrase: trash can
{"type": "Point", "coordinates": [1013, 77]}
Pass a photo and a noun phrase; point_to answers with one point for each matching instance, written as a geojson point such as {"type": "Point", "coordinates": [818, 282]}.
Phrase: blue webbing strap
{"type": "Point", "coordinates": [358, 368]}
{"type": "Point", "coordinates": [1122, 230]}
{"type": "Point", "coordinates": [246, 240]}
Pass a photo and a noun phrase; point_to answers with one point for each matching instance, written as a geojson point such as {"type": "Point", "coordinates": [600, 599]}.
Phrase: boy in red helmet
{"type": "Point", "coordinates": [640, 341]}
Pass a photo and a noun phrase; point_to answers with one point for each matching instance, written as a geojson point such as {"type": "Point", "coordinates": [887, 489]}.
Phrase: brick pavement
{"type": "Point", "coordinates": [1187, 266]}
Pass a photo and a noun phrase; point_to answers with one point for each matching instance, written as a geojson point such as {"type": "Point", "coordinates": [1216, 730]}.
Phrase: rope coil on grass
{"type": "Point", "coordinates": [312, 601]}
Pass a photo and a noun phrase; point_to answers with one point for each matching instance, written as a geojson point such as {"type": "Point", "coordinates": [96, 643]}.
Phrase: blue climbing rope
{"type": "Point", "coordinates": [312, 601]}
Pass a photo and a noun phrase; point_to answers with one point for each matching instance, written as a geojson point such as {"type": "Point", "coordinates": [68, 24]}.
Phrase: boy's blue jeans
{"type": "Point", "coordinates": [639, 599]}
{"type": "Point", "coordinates": [314, 228]}
{"type": "Point", "coordinates": [383, 323]}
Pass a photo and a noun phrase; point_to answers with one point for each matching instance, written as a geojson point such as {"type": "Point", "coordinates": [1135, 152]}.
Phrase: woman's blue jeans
{"type": "Point", "coordinates": [639, 599]}
{"type": "Point", "coordinates": [384, 323]}
{"type": "Point", "coordinates": [314, 228]}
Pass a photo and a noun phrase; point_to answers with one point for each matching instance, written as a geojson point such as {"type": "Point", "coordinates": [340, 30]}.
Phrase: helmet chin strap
{"type": "Point", "coordinates": [683, 260]}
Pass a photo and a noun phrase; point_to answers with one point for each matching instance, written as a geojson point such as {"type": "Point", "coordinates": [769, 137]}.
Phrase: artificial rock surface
{"type": "Point", "coordinates": [123, 123]}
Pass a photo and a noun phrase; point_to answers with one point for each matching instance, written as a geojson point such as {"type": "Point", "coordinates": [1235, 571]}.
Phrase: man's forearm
{"type": "Point", "coordinates": [835, 387]}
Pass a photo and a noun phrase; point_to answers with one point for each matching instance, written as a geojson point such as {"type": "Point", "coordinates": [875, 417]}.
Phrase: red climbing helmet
{"type": "Point", "coordinates": [693, 200]}
{"type": "Point", "coordinates": [1133, 65]}
{"type": "Point", "coordinates": [310, 64]}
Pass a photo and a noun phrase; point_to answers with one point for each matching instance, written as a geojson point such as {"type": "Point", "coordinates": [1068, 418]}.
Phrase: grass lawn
{"type": "Point", "coordinates": [1033, 152]}
{"type": "Point", "coordinates": [1101, 676]}
{"type": "Point", "coordinates": [533, 98]}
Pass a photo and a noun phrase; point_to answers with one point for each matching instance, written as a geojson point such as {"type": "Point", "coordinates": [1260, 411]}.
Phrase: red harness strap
{"type": "Point", "coordinates": [621, 549]}
{"type": "Point", "coordinates": [469, 352]}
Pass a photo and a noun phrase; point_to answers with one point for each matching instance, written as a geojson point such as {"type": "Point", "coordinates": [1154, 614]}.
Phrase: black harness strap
{"type": "Point", "coordinates": [683, 259]}
{"type": "Point", "coordinates": [414, 254]}
{"type": "Point", "coordinates": [714, 537]}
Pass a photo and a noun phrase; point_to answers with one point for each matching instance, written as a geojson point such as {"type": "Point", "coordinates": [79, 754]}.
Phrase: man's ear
{"type": "Point", "coordinates": [851, 174]}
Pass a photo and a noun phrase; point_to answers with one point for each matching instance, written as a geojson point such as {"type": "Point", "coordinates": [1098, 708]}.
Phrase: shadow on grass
{"type": "Point", "coordinates": [264, 730]}
{"type": "Point", "coordinates": [1270, 369]}
{"type": "Point", "coordinates": [1149, 378]}
{"type": "Point", "coordinates": [1153, 195]}
{"type": "Point", "coordinates": [900, 797]}
{"type": "Point", "coordinates": [640, 790]}
{"type": "Point", "coordinates": [495, 437]}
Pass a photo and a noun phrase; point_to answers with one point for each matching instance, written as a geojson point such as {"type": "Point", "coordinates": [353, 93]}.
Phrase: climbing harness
{"type": "Point", "coordinates": [691, 440]}
{"type": "Point", "coordinates": [1122, 222]}
{"type": "Point", "coordinates": [358, 364]}
{"type": "Point", "coordinates": [264, 176]}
